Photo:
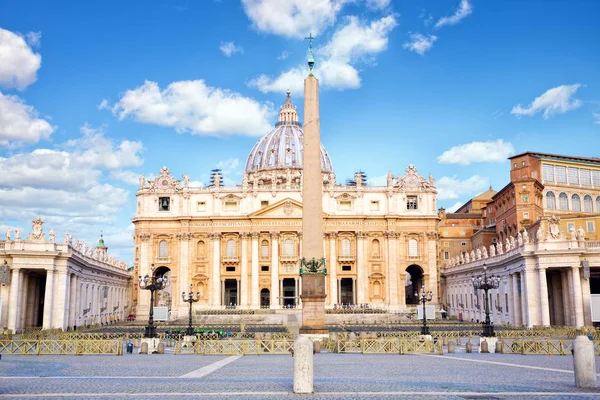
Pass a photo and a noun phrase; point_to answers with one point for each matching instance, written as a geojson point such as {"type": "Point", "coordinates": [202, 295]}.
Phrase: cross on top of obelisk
{"type": "Point", "coordinates": [311, 60]}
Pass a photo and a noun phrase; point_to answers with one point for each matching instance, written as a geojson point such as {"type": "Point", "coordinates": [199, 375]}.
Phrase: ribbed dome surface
{"type": "Point", "coordinates": [282, 147]}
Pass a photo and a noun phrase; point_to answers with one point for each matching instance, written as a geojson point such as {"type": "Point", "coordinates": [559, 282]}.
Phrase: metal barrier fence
{"type": "Point", "coordinates": [235, 347]}
{"type": "Point", "coordinates": [61, 347]}
{"type": "Point", "coordinates": [545, 347]}
{"type": "Point", "coordinates": [164, 336]}
{"type": "Point", "coordinates": [385, 346]}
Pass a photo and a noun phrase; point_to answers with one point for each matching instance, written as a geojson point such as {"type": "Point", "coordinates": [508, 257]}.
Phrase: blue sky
{"type": "Point", "coordinates": [93, 94]}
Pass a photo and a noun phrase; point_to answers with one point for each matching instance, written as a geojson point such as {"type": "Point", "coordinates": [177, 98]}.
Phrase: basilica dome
{"type": "Point", "coordinates": [281, 149]}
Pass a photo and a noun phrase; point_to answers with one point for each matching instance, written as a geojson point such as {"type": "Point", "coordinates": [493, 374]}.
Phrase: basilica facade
{"type": "Point", "coordinates": [239, 246]}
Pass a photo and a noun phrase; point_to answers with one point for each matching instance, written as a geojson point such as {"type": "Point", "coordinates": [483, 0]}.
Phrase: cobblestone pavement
{"type": "Point", "coordinates": [337, 376]}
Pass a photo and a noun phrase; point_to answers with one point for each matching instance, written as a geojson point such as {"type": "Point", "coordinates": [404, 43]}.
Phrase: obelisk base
{"type": "Point", "coordinates": [313, 305]}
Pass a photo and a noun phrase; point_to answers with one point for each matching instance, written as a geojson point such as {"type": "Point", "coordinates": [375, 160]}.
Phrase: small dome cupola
{"type": "Point", "coordinates": [287, 112]}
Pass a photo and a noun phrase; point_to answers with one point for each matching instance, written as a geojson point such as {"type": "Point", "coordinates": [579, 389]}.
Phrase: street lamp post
{"type": "Point", "coordinates": [424, 298]}
{"type": "Point", "coordinates": [190, 299]}
{"type": "Point", "coordinates": [486, 283]}
{"type": "Point", "coordinates": [152, 284]}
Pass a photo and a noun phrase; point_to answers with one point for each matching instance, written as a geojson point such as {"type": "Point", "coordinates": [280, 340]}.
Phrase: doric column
{"type": "Point", "coordinates": [61, 283]}
{"type": "Point", "coordinates": [567, 285]}
{"type": "Point", "coordinates": [184, 275]}
{"type": "Point", "coordinates": [516, 300]}
{"type": "Point", "coordinates": [360, 267]}
{"type": "Point", "coordinates": [392, 263]}
{"type": "Point", "coordinates": [32, 303]}
{"type": "Point", "coordinates": [401, 274]}
{"type": "Point", "coordinates": [511, 302]}
{"type": "Point", "coordinates": [557, 296]}
{"type": "Point", "coordinates": [332, 268]}
{"type": "Point", "coordinates": [73, 301]}
{"type": "Point", "coordinates": [216, 270]}
{"type": "Point", "coordinates": [244, 271]}
{"type": "Point", "coordinates": [577, 296]}
{"type": "Point", "coordinates": [254, 276]}
{"type": "Point", "coordinates": [274, 270]}
{"type": "Point", "coordinates": [14, 299]}
{"type": "Point", "coordinates": [48, 299]}
{"type": "Point", "coordinates": [24, 292]}
{"type": "Point", "coordinates": [543, 302]}
{"type": "Point", "coordinates": [525, 312]}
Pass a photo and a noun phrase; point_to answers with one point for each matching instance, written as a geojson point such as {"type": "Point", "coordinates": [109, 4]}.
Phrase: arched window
{"type": "Point", "coordinates": [575, 202]}
{"type": "Point", "coordinates": [376, 248]}
{"type": "Point", "coordinates": [163, 249]}
{"type": "Point", "coordinates": [550, 201]}
{"type": "Point", "coordinates": [588, 203]}
{"type": "Point", "coordinates": [231, 248]}
{"type": "Point", "coordinates": [288, 247]}
{"type": "Point", "coordinates": [264, 249]}
{"type": "Point", "coordinates": [345, 247]}
{"type": "Point", "coordinates": [201, 249]}
{"type": "Point", "coordinates": [563, 201]}
{"type": "Point", "coordinates": [413, 248]}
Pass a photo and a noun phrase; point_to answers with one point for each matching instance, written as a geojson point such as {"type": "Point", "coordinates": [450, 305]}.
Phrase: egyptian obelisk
{"type": "Point", "coordinates": [313, 278]}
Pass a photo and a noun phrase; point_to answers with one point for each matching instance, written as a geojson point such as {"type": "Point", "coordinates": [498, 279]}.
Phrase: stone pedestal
{"type": "Point", "coordinates": [303, 365]}
{"type": "Point", "coordinates": [584, 363]}
{"type": "Point", "coordinates": [152, 344]}
{"type": "Point", "coordinates": [491, 341]}
{"type": "Point", "coordinates": [313, 304]}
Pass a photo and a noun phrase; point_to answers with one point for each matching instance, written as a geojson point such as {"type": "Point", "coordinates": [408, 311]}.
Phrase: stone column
{"type": "Point", "coordinates": [360, 266]}
{"type": "Point", "coordinates": [567, 289]}
{"type": "Point", "coordinates": [557, 295]}
{"type": "Point", "coordinates": [400, 271]}
{"type": "Point", "coordinates": [73, 301]}
{"type": "Point", "coordinates": [48, 299]}
{"type": "Point", "coordinates": [586, 299]}
{"type": "Point", "coordinates": [255, 273]}
{"type": "Point", "coordinates": [525, 311]}
{"type": "Point", "coordinates": [544, 306]}
{"type": "Point", "coordinates": [274, 270]}
{"type": "Point", "coordinates": [577, 297]}
{"type": "Point", "coordinates": [216, 270]}
{"type": "Point", "coordinates": [392, 269]}
{"type": "Point", "coordinates": [511, 302]}
{"type": "Point", "coordinates": [14, 299]}
{"type": "Point", "coordinates": [32, 303]}
{"type": "Point", "coordinates": [25, 291]}
{"type": "Point", "coordinates": [143, 298]}
{"type": "Point", "coordinates": [183, 275]}
{"type": "Point", "coordinates": [332, 268]}
{"type": "Point", "coordinates": [243, 300]}
{"type": "Point", "coordinates": [516, 299]}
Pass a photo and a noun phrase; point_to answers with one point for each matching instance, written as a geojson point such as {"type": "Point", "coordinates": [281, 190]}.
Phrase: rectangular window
{"type": "Point", "coordinates": [411, 202]}
{"type": "Point", "coordinates": [526, 215]}
{"type": "Point", "coordinates": [446, 255]}
{"type": "Point", "coordinates": [201, 206]}
{"type": "Point", "coordinates": [522, 163]}
{"type": "Point", "coordinates": [264, 250]}
{"type": "Point", "coordinates": [573, 175]}
{"type": "Point", "coordinates": [264, 203]}
{"type": "Point", "coordinates": [230, 205]}
{"type": "Point", "coordinates": [346, 268]}
{"type": "Point", "coordinates": [264, 268]}
{"type": "Point", "coordinates": [375, 206]}
{"type": "Point", "coordinates": [570, 225]}
{"type": "Point", "coordinates": [345, 205]}
{"type": "Point", "coordinates": [596, 178]}
{"type": "Point", "coordinates": [590, 226]}
{"type": "Point", "coordinates": [230, 268]}
{"type": "Point", "coordinates": [548, 172]}
{"type": "Point", "coordinates": [561, 174]}
{"type": "Point", "coordinates": [164, 203]}
{"type": "Point", "coordinates": [586, 176]}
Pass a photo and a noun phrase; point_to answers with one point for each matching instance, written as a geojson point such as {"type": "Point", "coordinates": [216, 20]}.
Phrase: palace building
{"type": "Point", "coordinates": [239, 246]}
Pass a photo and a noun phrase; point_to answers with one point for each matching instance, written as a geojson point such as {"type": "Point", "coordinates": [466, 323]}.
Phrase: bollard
{"type": "Point", "coordinates": [136, 343]}
{"type": "Point", "coordinates": [499, 347]}
{"type": "Point", "coordinates": [161, 348]}
{"type": "Point", "coordinates": [316, 347]}
{"type": "Point", "coordinates": [144, 348]}
{"type": "Point", "coordinates": [445, 341]}
{"type": "Point", "coordinates": [584, 362]}
{"type": "Point", "coordinates": [469, 346]}
{"type": "Point", "coordinates": [303, 365]}
{"type": "Point", "coordinates": [458, 341]}
{"type": "Point", "coordinates": [484, 346]}
{"type": "Point", "coordinates": [451, 347]}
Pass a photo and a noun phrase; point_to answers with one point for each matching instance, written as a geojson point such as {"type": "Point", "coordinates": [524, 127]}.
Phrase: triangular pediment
{"type": "Point", "coordinates": [286, 208]}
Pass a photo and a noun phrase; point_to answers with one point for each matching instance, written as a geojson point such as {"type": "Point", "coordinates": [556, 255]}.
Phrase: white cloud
{"type": "Point", "coordinates": [191, 106]}
{"type": "Point", "coordinates": [557, 100]}
{"type": "Point", "coordinates": [464, 9]}
{"type": "Point", "coordinates": [476, 152]}
{"type": "Point", "coordinates": [354, 42]}
{"type": "Point", "coordinates": [450, 188]}
{"type": "Point", "coordinates": [597, 117]}
{"type": "Point", "coordinates": [33, 38]}
{"type": "Point", "coordinates": [293, 18]}
{"type": "Point", "coordinates": [419, 43]}
{"type": "Point", "coordinates": [454, 207]}
{"type": "Point", "coordinates": [283, 56]}
{"type": "Point", "coordinates": [104, 105]}
{"type": "Point", "coordinates": [18, 63]}
{"type": "Point", "coordinates": [229, 48]}
{"type": "Point", "coordinates": [19, 122]}
{"type": "Point", "coordinates": [126, 176]}
{"type": "Point", "coordinates": [378, 180]}
{"type": "Point", "coordinates": [378, 4]}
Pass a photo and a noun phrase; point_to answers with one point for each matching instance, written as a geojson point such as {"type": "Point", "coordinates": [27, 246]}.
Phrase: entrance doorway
{"type": "Point", "coordinates": [347, 291]}
{"type": "Point", "coordinates": [289, 293]}
{"type": "Point", "coordinates": [164, 297]}
{"type": "Point", "coordinates": [230, 297]}
{"type": "Point", "coordinates": [265, 298]}
{"type": "Point", "coordinates": [414, 280]}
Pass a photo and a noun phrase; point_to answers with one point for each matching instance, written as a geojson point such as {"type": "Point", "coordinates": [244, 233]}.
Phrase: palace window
{"type": "Point", "coordinates": [598, 204]}
{"type": "Point", "coordinates": [264, 268]}
{"type": "Point", "coordinates": [561, 174]}
{"type": "Point", "coordinates": [376, 248]}
{"type": "Point", "coordinates": [264, 203]}
{"type": "Point", "coordinates": [446, 255]}
{"type": "Point", "coordinates": [590, 226]}
{"type": "Point", "coordinates": [587, 203]}
{"type": "Point", "coordinates": [231, 248]}
{"type": "Point", "coordinates": [201, 249]}
{"type": "Point", "coordinates": [548, 172]}
{"type": "Point", "coordinates": [163, 249]}
{"type": "Point", "coordinates": [231, 205]}
{"type": "Point", "coordinates": [573, 175]}
{"type": "Point", "coordinates": [570, 226]}
{"type": "Point", "coordinates": [596, 178]}
{"type": "Point", "coordinates": [550, 200]}
{"type": "Point", "coordinates": [345, 205]}
{"type": "Point", "coordinates": [575, 202]}
{"type": "Point", "coordinates": [411, 202]}
{"type": "Point", "coordinates": [585, 175]}
{"type": "Point", "coordinates": [375, 206]}
{"type": "Point", "coordinates": [346, 268]}
{"type": "Point", "coordinates": [230, 268]}
{"type": "Point", "coordinates": [345, 247]}
{"type": "Point", "coordinates": [264, 249]}
{"type": "Point", "coordinates": [413, 248]}
{"type": "Point", "coordinates": [164, 203]}
{"type": "Point", "coordinates": [563, 201]}
{"type": "Point", "coordinates": [288, 247]}
{"type": "Point", "coordinates": [525, 215]}
{"type": "Point", "coordinates": [201, 206]}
